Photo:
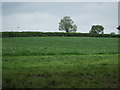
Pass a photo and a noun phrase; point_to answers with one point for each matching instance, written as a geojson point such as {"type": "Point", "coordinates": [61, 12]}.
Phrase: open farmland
{"type": "Point", "coordinates": [60, 62]}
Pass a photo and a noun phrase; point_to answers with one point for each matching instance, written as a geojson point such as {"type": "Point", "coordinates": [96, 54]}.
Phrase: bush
{"type": "Point", "coordinates": [40, 34]}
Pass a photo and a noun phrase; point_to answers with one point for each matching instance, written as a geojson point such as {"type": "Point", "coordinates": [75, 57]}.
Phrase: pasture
{"type": "Point", "coordinates": [60, 62]}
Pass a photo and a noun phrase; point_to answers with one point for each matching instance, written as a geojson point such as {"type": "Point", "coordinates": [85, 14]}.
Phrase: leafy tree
{"type": "Point", "coordinates": [112, 33]}
{"type": "Point", "coordinates": [118, 27]}
{"type": "Point", "coordinates": [97, 29]}
{"type": "Point", "coordinates": [67, 24]}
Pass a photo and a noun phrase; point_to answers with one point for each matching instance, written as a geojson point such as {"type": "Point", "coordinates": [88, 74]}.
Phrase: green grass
{"type": "Point", "coordinates": [59, 46]}
{"type": "Point", "coordinates": [60, 62]}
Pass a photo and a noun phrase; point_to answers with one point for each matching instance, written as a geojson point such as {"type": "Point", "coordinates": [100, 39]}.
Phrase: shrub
{"type": "Point", "coordinates": [40, 34]}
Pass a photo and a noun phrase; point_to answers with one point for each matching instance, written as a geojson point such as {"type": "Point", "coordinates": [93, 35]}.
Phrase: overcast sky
{"type": "Point", "coordinates": [45, 16]}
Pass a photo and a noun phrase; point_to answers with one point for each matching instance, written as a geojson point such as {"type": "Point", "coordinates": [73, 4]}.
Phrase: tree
{"type": "Point", "coordinates": [118, 29]}
{"type": "Point", "coordinates": [67, 24]}
{"type": "Point", "coordinates": [112, 33]}
{"type": "Point", "coordinates": [97, 29]}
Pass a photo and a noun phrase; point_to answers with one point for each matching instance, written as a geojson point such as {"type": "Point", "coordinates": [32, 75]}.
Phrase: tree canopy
{"type": "Point", "coordinates": [118, 27]}
{"type": "Point", "coordinates": [113, 33]}
{"type": "Point", "coordinates": [98, 29]}
{"type": "Point", "coordinates": [67, 25]}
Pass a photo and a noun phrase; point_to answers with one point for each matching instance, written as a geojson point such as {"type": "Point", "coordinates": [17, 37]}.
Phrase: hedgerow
{"type": "Point", "coordinates": [40, 34]}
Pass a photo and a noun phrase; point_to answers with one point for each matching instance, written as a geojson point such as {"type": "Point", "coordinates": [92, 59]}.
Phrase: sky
{"type": "Point", "coordinates": [119, 13]}
{"type": "Point", "coordinates": [45, 16]}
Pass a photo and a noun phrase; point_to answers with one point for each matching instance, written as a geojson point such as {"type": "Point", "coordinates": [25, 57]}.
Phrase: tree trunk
{"type": "Point", "coordinates": [67, 30]}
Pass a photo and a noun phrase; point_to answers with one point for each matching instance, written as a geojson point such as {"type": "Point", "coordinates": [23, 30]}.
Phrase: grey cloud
{"type": "Point", "coordinates": [45, 16]}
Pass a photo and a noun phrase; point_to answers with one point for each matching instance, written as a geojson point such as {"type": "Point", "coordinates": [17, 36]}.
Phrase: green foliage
{"type": "Point", "coordinates": [67, 24]}
{"type": "Point", "coordinates": [112, 33]}
{"type": "Point", "coordinates": [118, 27]}
{"type": "Point", "coordinates": [97, 29]}
{"type": "Point", "coordinates": [41, 34]}
{"type": "Point", "coordinates": [60, 62]}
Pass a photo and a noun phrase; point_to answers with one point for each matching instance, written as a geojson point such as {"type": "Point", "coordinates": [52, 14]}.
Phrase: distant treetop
{"type": "Point", "coordinates": [98, 29]}
{"type": "Point", "coordinates": [67, 25]}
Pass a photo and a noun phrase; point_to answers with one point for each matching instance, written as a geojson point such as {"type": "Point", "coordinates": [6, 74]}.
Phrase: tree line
{"type": "Point", "coordinates": [66, 24]}
{"type": "Point", "coordinates": [41, 34]}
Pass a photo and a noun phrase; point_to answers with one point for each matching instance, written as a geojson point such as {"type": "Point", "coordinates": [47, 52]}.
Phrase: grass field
{"type": "Point", "coordinates": [60, 62]}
